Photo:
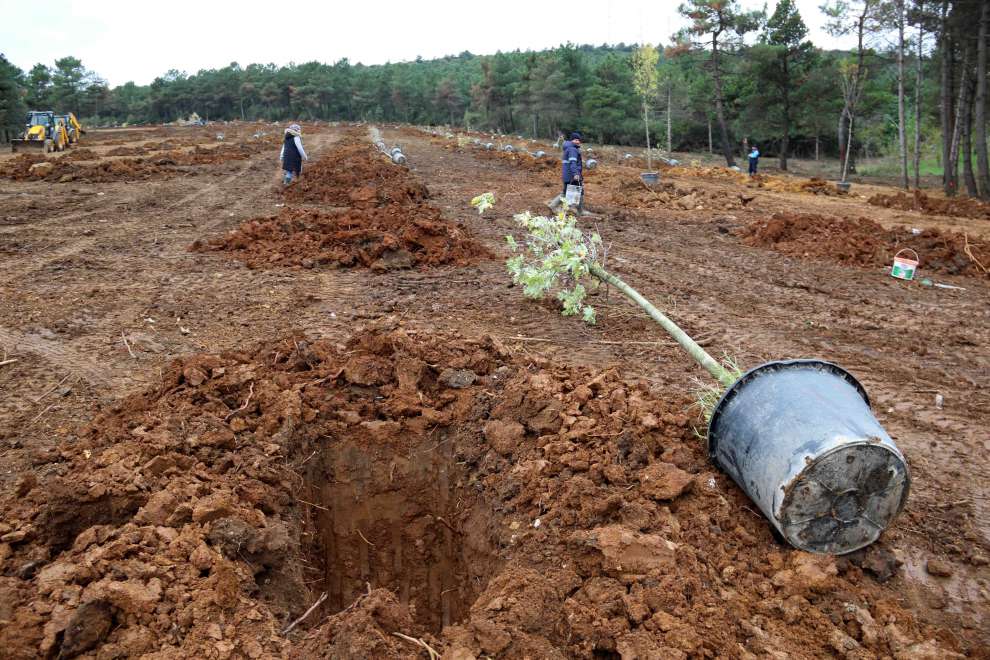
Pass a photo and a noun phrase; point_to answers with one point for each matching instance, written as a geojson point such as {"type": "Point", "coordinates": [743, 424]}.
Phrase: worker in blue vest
{"type": "Point", "coordinates": [292, 154]}
{"type": "Point", "coordinates": [572, 166]}
{"type": "Point", "coordinates": [754, 160]}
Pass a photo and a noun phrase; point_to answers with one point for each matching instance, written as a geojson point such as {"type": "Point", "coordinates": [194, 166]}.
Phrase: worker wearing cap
{"type": "Point", "coordinates": [292, 154]}
{"type": "Point", "coordinates": [572, 166]}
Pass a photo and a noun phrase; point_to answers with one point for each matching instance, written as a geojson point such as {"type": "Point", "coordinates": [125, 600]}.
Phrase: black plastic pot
{"type": "Point", "coordinates": [799, 437]}
{"type": "Point", "coordinates": [842, 186]}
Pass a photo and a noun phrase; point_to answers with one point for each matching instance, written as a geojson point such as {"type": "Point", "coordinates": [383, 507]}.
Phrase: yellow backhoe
{"type": "Point", "coordinates": [73, 128]}
{"type": "Point", "coordinates": [42, 132]}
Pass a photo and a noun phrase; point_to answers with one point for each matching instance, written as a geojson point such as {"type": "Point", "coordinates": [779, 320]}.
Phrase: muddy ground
{"type": "Point", "coordinates": [220, 401]}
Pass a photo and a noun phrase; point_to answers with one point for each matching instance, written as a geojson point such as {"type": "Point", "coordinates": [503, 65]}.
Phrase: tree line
{"type": "Point", "coordinates": [913, 86]}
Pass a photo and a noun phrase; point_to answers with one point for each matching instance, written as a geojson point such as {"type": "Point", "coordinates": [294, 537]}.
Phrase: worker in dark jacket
{"type": "Point", "coordinates": [572, 166]}
{"type": "Point", "coordinates": [754, 160]}
{"type": "Point", "coordinates": [292, 154]}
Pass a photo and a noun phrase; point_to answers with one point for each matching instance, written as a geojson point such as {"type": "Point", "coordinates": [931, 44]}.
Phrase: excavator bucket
{"type": "Point", "coordinates": [38, 146]}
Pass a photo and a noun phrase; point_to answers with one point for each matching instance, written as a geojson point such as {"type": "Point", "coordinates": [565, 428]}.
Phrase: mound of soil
{"type": "Point", "coordinates": [127, 151]}
{"type": "Point", "coordinates": [114, 170]}
{"type": "Point", "coordinates": [81, 153]}
{"type": "Point", "coordinates": [627, 189]}
{"type": "Point", "coordinates": [355, 174]}
{"type": "Point", "coordinates": [381, 238]}
{"type": "Point", "coordinates": [19, 167]}
{"type": "Point", "coordinates": [62, 170]}
{"type": "Point", "coordinates": [430, 486]}
{"type": "Point", "coordinates": [199, 155]}
{"type": "Point", "coordinates": [863, 242]}
{"type": "Point", "coordinates": [522, 160]}
{"type": "Point", "coordinates": [814, 186]}
{"type": "Point", "coordinates": [963, 207]}
{"type": "Point", "coordinates": [723, 173]}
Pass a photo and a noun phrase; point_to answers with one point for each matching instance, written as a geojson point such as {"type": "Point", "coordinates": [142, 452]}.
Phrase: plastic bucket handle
{"type": "Point", "coordinates": [917, 259]}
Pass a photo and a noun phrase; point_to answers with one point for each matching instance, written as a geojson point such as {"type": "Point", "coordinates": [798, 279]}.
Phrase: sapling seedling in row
{"type": "Point", "coordinates": [797, 435]}
{"type": "Point", "coordinates": [558, 256]}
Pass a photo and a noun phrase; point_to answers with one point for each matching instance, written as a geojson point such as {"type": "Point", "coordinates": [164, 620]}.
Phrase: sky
{"type": "Point", "coordinates": [138, 41]}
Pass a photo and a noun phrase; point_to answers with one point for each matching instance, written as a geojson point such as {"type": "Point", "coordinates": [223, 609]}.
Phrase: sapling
{"type": "Point", "coordinates": [556, 255]}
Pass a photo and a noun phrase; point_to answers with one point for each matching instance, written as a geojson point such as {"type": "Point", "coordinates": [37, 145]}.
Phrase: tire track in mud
{"type": "Point", "coordinates": [83, 364]}
{"type": "Point", "coordinates": [16, 343]}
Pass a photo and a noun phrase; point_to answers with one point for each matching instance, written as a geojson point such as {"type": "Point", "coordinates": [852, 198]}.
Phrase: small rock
{"type": "Point", "coordinates": [664, 481]}
{"type": "Point", "coordinates": [88, 626]}
{"type": "Point", "coordinates": [158, 508]}
{"type": "Point", "coordinates": [202, 557]}
{"type": "Point", "coordinates": [394, 260]}
{"type": "Point", "coordinates": [211, 507]}
{"type": "Point", "coordinates": [458, 378]}
{"type": "Point", "coordinates": [876, 560]}
{"type": "Point", "coordinates": [15, 536]}
{"type": "Point", "coordinates": [158, 465]}
{"type": "Point", "coordinates": [194, 376]}
{"type": "Point", "coordinates": [938, 568]}
{"type": "Point", "coordinates": [25, 483]}
{"type": "Point", "coordinates": [27, 571]}
{"type": "Point", "coordinates": [504, 436]}
{"type": "Point", "coordinates": [623, 550]}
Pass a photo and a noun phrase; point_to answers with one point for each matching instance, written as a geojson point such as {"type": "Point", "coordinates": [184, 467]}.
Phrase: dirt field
{"type": "Point", "coordinates": [219, 401]}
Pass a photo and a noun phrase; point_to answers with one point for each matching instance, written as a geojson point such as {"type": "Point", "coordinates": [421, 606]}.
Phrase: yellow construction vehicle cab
{"type": "Point", "coordinates": [42, 132]}
{"type": "Point", "coordinates": [72, 127]}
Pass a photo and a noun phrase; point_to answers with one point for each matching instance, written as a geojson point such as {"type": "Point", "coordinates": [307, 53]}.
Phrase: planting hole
{"type": "Point", "coordinates": [403, 520]}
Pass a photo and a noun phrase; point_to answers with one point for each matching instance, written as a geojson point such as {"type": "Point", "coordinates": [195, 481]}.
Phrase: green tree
{"type": "Point", "coordinates": [69, 82]}
{"type": "Point", "coordinates": [11, 95]}
{"type": "Point", "coordinates": [610, 103]}
{"type": "Point", "coordinates": [782, 60]}
{"type": "Point", "coordinates": [39, 87]}
{"type": "Point", "coordinates": [646, 82]}
{"type": "Point", "coordinates": [721, 23]}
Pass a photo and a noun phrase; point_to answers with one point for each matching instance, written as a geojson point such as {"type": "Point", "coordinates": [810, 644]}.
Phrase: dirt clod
{"type": "Point", "coordinates": [939, 568]}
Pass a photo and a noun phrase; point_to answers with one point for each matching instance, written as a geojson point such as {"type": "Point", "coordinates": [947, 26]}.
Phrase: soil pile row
{"type": "Point", "coordinates": [64, 169]}
{"type": "Point", "coordinates": [381, 238]}
{"type": "Point", "coordinates": [524, 161]}
{"type": "Point", "coordinates": [81, 153]}
{"type": "Point", "coordinates": [200, 155]}
{"type": "Point", "coordinates": [380, 221]}
{"type": "Point", "coordinates": [863, 242]}
{"type": "Point", "coordinates": [963, 207]}
{"type": "Point", "coordinates": [626, 189]}
{"type": "Point", "coordinates": [520, 159]}
{"type": "Point", "coordinates": [812, 186]}
{"type": "Point", "coordinates": [496, 506]}
{"type": "Point", "coordinates": [356, 175]}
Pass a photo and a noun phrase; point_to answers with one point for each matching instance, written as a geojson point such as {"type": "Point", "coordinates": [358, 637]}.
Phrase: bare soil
{"type": "Point", "coordinates": [199, 444]}
{"type": "Point", "coordinates": [919, 201]}
{"type": "Point", "coordinates": [862, 242]}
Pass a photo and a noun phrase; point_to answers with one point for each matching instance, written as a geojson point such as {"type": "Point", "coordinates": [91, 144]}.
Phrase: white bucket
{"type": "Point", "coordinates": [573, 196]}
{"type": "Point", "coordinates": [903, 268]}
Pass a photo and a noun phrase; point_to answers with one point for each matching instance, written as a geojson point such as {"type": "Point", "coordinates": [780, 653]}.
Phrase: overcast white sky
{"type": "Point", "coordinates": [139, 40]}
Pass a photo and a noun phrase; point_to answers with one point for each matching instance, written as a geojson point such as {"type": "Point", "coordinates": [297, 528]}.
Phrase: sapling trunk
{"type": "Point", "coordinates": [646, 122]}
{"type": "Point", "coordinates": [700, 355]}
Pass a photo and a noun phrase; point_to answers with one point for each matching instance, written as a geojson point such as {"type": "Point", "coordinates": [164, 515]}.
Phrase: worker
{"type": "Point", "coordinates": [754, 160]}
{"type": "Point", "coordinates": [292, 154]}
{"type": "Point", "coordinates": [572, 166]}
